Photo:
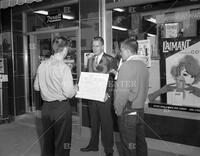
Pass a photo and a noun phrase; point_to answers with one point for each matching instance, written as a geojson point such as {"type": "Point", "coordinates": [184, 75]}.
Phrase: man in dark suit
{"type": "Point", "coordinates": [101, 112]}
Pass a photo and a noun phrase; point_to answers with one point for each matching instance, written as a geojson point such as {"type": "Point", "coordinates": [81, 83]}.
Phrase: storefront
{"type": "Point", "coordinates": [168, 34]}
{"type": "Point", "coordinates": [27, 31]}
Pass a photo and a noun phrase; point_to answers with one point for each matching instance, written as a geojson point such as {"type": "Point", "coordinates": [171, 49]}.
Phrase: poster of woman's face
{"type": "Point", "coordinates": [183, 67]}
{"type": "Point", "coordinates": [188, 68]}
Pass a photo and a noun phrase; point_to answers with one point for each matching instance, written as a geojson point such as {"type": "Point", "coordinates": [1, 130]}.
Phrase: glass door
{"type": "Point", "coordinates": [39, 50]}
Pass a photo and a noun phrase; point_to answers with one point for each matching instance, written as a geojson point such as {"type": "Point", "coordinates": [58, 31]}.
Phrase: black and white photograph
{"type": "Point", "coordinates": [99, 77]}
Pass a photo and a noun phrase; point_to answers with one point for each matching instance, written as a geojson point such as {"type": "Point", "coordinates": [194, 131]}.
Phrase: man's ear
{"type": "Point", "coordinates": [129, 51]}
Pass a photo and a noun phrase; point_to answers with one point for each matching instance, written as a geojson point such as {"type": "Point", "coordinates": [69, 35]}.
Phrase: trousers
{"type": "Point", "coordinates": [132, 134]}
{"type": "Point", "coordinates": [57, 128]}
{"type": "Point", "coordinates": [101, 117]}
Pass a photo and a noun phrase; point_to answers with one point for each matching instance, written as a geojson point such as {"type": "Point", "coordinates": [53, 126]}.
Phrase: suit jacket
{"type": "Point", "coordinates": [106, 64]}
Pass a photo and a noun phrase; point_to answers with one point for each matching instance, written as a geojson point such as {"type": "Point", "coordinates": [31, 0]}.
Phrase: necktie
{"type": "Point", "coordinates": [96, 60]}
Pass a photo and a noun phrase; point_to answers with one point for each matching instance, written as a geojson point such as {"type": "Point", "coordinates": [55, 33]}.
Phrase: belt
{"type": "Point", "coordinates": [57, 101]}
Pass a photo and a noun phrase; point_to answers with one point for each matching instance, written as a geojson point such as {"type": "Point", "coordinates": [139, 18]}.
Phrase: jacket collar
{"type": "Point", "coordinates": [138, 58]}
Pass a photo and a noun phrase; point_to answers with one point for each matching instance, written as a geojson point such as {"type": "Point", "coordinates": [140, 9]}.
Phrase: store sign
{"type": "Point", "coordinates": [54, 18]}
{"type": "Point", "coordinates": [169, 46]}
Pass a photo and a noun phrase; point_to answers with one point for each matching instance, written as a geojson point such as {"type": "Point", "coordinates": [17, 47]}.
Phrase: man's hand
{"type": "Point", "coordinates": [113, 71]}
{"type": "Point", "coordinates": [106, 97]}
{"type": "Point", "coordinates": [76, 88]}
{"type": "Point", "coordinates": [117, 113]}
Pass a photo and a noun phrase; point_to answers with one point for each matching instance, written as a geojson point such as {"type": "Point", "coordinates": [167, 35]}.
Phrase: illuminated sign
{"type": "Point", "coordinates": [54, 18]}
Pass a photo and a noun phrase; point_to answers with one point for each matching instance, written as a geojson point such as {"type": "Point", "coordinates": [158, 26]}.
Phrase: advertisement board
{"type": "Point", "coordinates": [180, 66]}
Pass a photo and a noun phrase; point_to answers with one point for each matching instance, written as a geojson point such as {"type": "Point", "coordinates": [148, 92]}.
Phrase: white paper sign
{"type": "Point", "coordinates": [144, 49]}
{"type": "Point", "coordinates": [171, 30]}
{"type": "Point", "coordinates": [92, 86]}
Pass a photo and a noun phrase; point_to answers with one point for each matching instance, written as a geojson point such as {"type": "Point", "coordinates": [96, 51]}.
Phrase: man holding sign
{"type": "Point", "coordinates": [100, 112]}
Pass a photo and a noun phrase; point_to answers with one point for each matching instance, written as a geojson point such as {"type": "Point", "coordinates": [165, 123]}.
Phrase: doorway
{"type": "Point", "coordinates": [39, 48]}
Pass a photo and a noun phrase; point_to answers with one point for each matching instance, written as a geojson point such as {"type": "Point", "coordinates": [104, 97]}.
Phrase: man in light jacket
{"type": "Point", "coordinates": [130, 96]}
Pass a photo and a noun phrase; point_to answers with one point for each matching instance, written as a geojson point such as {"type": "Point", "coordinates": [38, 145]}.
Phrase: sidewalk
{"type": "Point", "coordinates": [20, 138]}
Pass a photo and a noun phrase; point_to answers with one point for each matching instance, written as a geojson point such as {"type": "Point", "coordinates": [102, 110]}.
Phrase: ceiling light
{"type": "Point", "coordinates": [151, 20]}
{"type": "Point", "coordinates": [119, 9]}
{"type": "Point", "coordinates": [150, 35]}
{"type": "Point", "coordinates": [68, 17]}
{"type": "Point", "coordinates": [43, 12]}
{"type": "Point", "coordinates": [119, 28]}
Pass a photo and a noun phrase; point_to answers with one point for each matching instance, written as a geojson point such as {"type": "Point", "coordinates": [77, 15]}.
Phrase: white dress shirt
{"type": "Point", "coordinates": [99, 57]}
{"type": "Point", "coordinates": [120, 63]}
{"type": "Point", "coordinates": [54, 80]}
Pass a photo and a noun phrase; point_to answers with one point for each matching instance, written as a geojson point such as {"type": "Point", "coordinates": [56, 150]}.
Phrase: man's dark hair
{"type": "Point", "coordinates": [98, 38]}
{"type": "Point", "coordinates": [131, 44]}
{"type": "Point", "coordinates": [60, 42]}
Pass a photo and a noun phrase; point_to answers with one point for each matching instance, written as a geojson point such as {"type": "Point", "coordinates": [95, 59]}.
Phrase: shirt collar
{"type": "Point", "coordinates": [100, 56]}
{"type": "Point", "coordinates": [132, 57]}
{"type": "Point", "coordinates": [57, 56]}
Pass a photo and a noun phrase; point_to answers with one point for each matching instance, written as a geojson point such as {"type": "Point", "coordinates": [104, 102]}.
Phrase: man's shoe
{"type": "Point", "coordinates": [109, 154]}
{"type": "Point", "coordinates": [88, 149]}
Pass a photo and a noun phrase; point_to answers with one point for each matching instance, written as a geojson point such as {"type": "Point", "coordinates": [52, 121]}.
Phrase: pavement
{"type": "Point", "coordinates": [23, 138]}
